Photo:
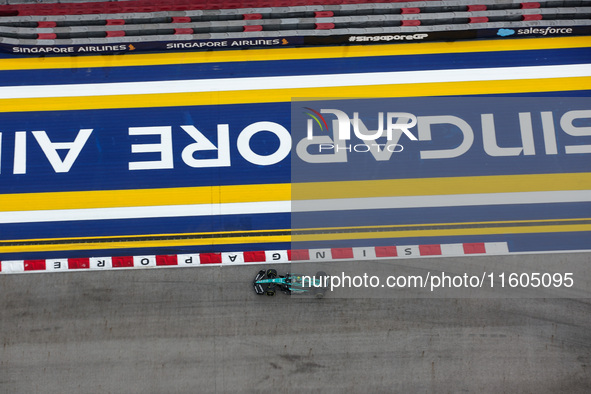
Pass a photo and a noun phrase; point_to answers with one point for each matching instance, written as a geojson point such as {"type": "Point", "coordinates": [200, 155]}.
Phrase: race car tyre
{"type": "Point", "coordinates": [319, 292]}
{"type": "Point", "coordinates": [271, 273]}
{"type": "Point", "coordinates": [320, 275]}
{"type": "Point", "coordinates": [270, 293]}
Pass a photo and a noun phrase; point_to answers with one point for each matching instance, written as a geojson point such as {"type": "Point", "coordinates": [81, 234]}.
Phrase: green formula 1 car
{"type": "Point", "coordinates": [268, 282]}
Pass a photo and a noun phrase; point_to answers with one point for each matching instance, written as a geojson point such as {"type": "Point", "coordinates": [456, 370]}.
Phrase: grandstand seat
{"type": "Point", "coordinates": [476, 7]}
{"type": "Point", "coordinates": [135, 22]}
{"type": "Point", "coordinates": [527, 6]}
{"type": "Point", "coordinates": [323, 14]}
{"type": "Point", "coordinates": [250, 28]}
{"type": "Point", "coordinates": [478, 19]}
{"type": "Point", "coordinates": [532, 17]}
{"type": "Point", "coordinates": [46, 24]}
{"type": "Point", "coordinates": [181, 19]}
{"type": "Point", "coordinates": [324, 26]}
{"type": "Point", "coordinates": [115, 22]}
{"type": "Point", "coordinates": [115, 33]}
{"type": "Point", "coordinates": [46, 36]}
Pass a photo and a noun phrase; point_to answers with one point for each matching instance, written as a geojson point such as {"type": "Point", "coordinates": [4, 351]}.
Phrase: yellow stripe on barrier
{"type": "Point", "coordinates": [253, 55]}
{"type": "Point", "coordinates": [316, 234]}
{"type": "Point", "coordinates": [441, 186]}
{"type": "Point", "coordinates": [286, 95]}
{"type": "Point", "coordinates": [212, 239]}
{"type": "Point", "coordinates": [440, 226]}
{"type": "Point", "coordinates": [144, 197]}
{"type": "Point", "coordinates": [299, 191]}
{"type": "Point", "coordinates": [526, 229]}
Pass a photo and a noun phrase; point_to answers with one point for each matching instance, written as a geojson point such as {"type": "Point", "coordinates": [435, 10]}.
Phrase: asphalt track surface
{"type": "Point", "coordinates": [203, 330]}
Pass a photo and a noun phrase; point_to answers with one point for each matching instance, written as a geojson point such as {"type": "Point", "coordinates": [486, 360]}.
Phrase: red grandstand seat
{"type": "Point", "coordinates": [476, 7]}
{"type": "Point", "coordinates": [93, 10]}
{"type": "Point", "coordinates": [9, 12]}
{"type": "Point", "coordinates": [115, 33]}
{"type": "Point", "coordinates": [527, 6]}
{"type": "Point", "coordinates": [250, 4]}
{"type": "Point", "coordinates": [324, 26]}
{"type": "Point", "coordinates": [46, 24]}
{"type": "Point", "coordinates": [115, 22]}
{"type": "Point", "coordinates": [45, 7]}
{"type": "Point", "coordinates": [413, 22]}
{"type": "Point", "coordinates": [410, 10]}
{"type": "Point", "coordinates": [183, 31]}
{"type": "Point", "coordinates": [323, 14]}
{"type": "Point", "coordinates": [213, 4]}
{"type": "Point", "coordinates": [532, 17]}
{"type": "Point", "coordinates": [181, 19]}
{"type": "Point", "coordinates": [478, 19]}
{"type": "Point", "coordinates": [253, 28]}
{"type": "Point", "coordinates": [285, 3]}
{"type": "Point", "coordinates": [46, 36]}
{"type": "Point", "coordinates": [231, 4]}
{"type": "Point", "coordinates": [121, 8]}
{"type": "Point", "coordinates": [251, 17]}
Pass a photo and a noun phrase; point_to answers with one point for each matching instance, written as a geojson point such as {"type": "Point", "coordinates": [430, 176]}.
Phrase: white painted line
{"type": "Point", "coordinates": [262, 207]}
{"type": "Point", "coordinates": [451, 200]}
{"type": "Point", "coordinates": [296, 81]}
{"type": "Point", "coordinates": [62, 215]}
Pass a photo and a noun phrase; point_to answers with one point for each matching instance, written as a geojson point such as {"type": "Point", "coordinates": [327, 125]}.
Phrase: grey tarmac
{"type": "Point", "coordinates": [203, 330]}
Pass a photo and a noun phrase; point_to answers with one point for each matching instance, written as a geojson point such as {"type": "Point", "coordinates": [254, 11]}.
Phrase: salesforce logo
{"type": "Point", "coordinates": [505, 32]}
